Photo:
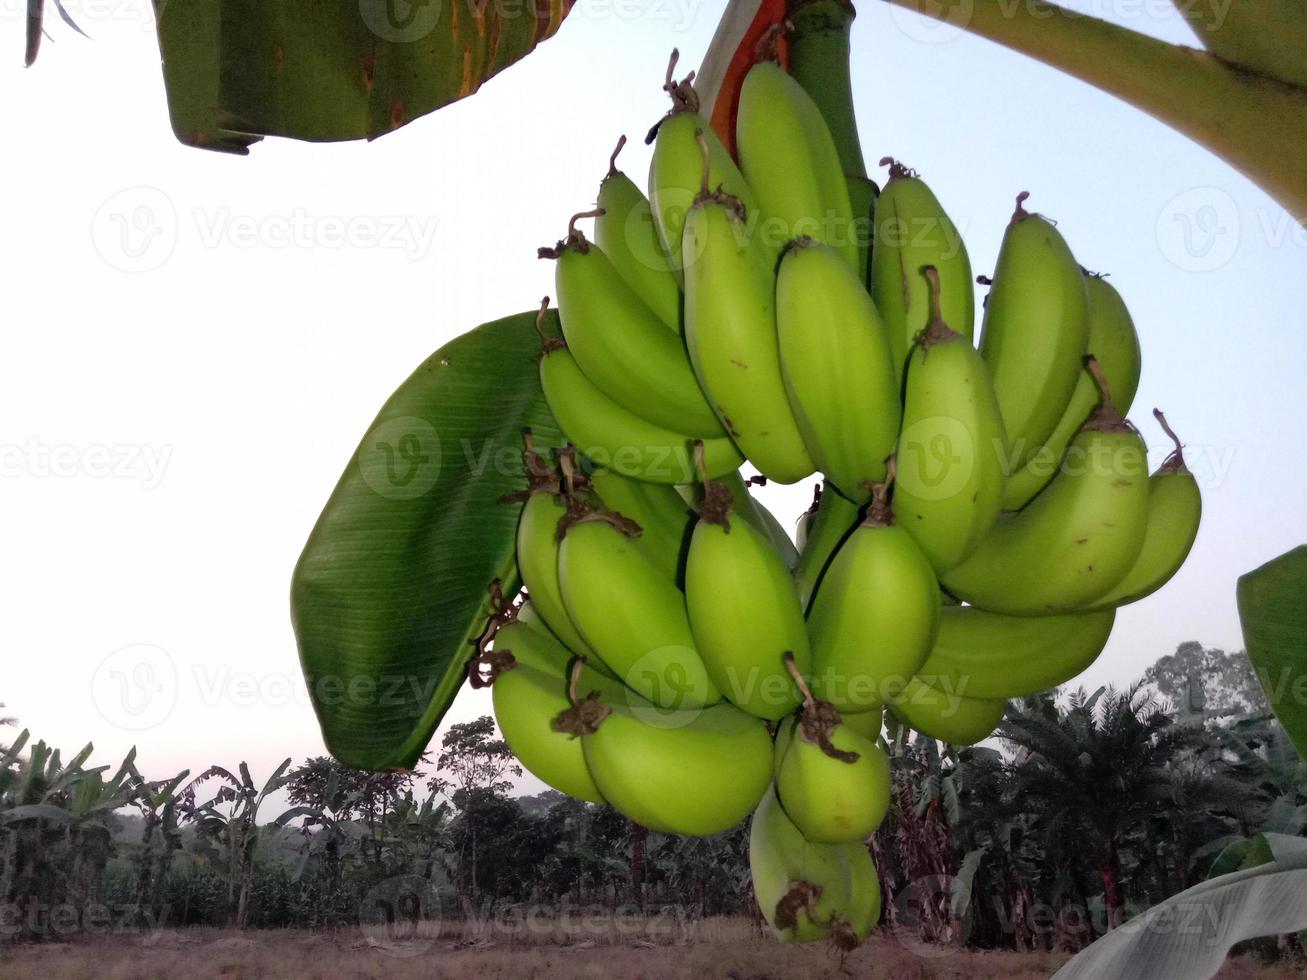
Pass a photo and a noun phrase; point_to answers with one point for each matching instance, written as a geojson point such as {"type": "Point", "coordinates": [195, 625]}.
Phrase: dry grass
{"type": "Point", "coordinates": [651, 949]}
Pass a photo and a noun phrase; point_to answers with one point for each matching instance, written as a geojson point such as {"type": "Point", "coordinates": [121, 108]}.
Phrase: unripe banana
{"type": "Point", "coordinates": [833, 782]}
{"type": "Point", "coordinates": [863, 195]}
{"type": "Point", "coordinates": [730, 326]}
{"type": "Point", "coordinates": [1077, 539]}
{"type": "Point", "coordinates": [743, 611]}
{"type": "Point", "coordinates": [680, 772]}
{"type": "Point", "coordinates": [809, 892]}
{"type": "Point", "coordinates": [620, 343]}
{"type": "Point", "coordinates": [605, 432]}
{"type": "Point", "coordinates": [988, 655]}
{"type": "Point", "coordinates": [912, 232]}
{"type": "Point", "coordinates": [751, 509]}
{"type": "Point", "coordinates": [676, 169]}
{"type": "Point", "coordinates": [537, 563]}
{"type": "Point", "coordinates": [866, 723]}
{"type": "Point", "coordinates": [630, 612]}
{"type": "Point", "coordinates": [530, 693]}
{"type": "Point", "coordinates": [790, 160]}
{"type": "Point", "coordinates": [874, 619]}
{"type": "Point", "coordinates": [1175, 510]}
{"type": "Point", "coordinates": [665, 520]}
{"type": "Point", "coordinates": [528, 618]}
{"type": "Point", "coordinates": [952, 449]}
{"type": "Point", "coordinates": [827, 525]}
{"type": "Point", "coordinates": [1114, 343]}
{"type": "Point", "coordinates": [947, 715]}
{"type": "Point", "coordinates": [837, 367]}
{"type": "Point", "coordinates": [626, 232]}
{"type": "Point", "coordinates": [1036, 331]}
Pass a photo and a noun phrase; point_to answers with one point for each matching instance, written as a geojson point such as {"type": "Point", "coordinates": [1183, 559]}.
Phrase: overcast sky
{"type": "Point", "coordinates": [195, 342]}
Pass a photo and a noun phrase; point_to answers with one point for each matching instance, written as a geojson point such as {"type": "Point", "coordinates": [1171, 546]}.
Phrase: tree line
{"type": "Point", "coordinates": [1090, 807]}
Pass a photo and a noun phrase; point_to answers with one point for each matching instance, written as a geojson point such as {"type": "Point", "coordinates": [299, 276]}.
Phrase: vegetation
{"type": "Point", "coordinates": [1092, 808]}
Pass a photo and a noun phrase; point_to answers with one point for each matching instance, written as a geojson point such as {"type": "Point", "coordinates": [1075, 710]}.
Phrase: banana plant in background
{"type": "Point", "coordinates": [1244, 98]}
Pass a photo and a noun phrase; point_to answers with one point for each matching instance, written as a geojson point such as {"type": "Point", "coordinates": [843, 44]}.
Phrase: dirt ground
{"type": "Point", "coordinates": [728, 950]}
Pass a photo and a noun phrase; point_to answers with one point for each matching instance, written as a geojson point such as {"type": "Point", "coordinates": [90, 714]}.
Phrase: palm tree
{"type": "Point", "coordinates": [1110, 772]}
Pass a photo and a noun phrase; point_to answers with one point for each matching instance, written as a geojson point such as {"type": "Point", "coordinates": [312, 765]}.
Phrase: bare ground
{"type": "Point", "coordinates": [727, 949]}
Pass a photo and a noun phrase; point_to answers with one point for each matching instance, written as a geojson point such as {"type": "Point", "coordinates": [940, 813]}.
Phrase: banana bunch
{"type": "Point", "coordinates": [984, 509]}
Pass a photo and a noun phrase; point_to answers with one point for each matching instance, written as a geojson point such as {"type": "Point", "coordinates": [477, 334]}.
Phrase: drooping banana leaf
{"type": "Point", "coordinates": [392, 588]}
{"type": "Point", "coordinates": [1188, 936]}
{"type": "Point", "coordinates": [238, 70]}
{"type": "Point", "coordinates": [1255, 122]}
{"type": "Point", "coordinates": [1273, 611]}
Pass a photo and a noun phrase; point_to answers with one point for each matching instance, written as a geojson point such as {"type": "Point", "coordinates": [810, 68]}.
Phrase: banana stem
{"type": "Point", "coordinates": [1091, 364]}
{"type": "Point", "coordinates": [1256, 123]}
{"type": "Point", "coordinates": [819, 61]}
{"type": "Point", "coordinates": [612, 160]}
{"type": "Point", "coordinates": [1174, 461]}
{"type": "Point", "coordinates": [802, 685]}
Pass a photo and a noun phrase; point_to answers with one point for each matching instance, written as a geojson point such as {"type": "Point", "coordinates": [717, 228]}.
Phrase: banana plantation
{"type": "Point", "coordinates": [1088, 809]}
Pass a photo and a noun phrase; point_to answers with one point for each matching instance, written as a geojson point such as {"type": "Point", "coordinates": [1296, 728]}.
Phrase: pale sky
{"type": "Point", "coordinates": [176, 406]}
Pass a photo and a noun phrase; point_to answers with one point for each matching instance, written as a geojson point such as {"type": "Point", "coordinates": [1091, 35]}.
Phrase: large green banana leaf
{"type": "Point", "coordinates": [238, 70]}
{"type": "Point", "coordinates": [1254, 120]}
{"type": "Point", "coordinates": [1273, 611]}
{"type": "Point", "coordinates": [392, 588]}
{"type": "Point", "coordinates": [1188, 936]}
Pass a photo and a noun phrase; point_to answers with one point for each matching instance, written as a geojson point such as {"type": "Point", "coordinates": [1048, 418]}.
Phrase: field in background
{"type": "Point", "coordinates": [652, 949]}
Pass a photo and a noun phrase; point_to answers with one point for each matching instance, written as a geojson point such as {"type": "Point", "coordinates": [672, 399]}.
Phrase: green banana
{"type": "Point", "coordinates": [743, 611]}
{"type": "Point", "coordinates": [622, 345]}
{"type": "Point", "coordinates": [528, 618]}
{"type": "Point", "coordinates": [730, 326]}
{"type": "Point", "coordinates": [952, 450]}
{"type": "Point", "coordinates": [608, 434]}
{"type": "Point", "coordinates": [537, 550]}
{"type": "Point", "coordinates": [912, 231]}
{"type": "Point", "coordinates": [1175, 510]}
{"type": "Point", "coordinates": [832, 781]}
{"type": "Point", "coordinates": [947, 715]}
{"type": "Point", "coordinates": [988, 655]}
{"type": "Point", "coordinates": [806, 891]}
{"type": "Point", "coordinates": [529, 694]}
{"type": "Point", "coordinates": [626, 233]}
{"type": "Point", "coordinates": [1115, 345]}
{"type": "Point", "coordinates": [676, 171]}
{"type": "Point", "coordinates": [863, 197]}
{"type": "Point", "coordinates": [831, 519]}
{"type": "Point", "coordinates": [837, 367]}
{"type": "Point", "coordinates": [789, 158]}
{"type": "Point", "coordinates": [874, 619]}
{"type": "Point", "coordinates": [665, 520]}
{"type": "Point", "coordinates": [1036, 331]}
{"type": "Point", "coordinates": [680, 772]}
{"type": "Point", "coordinates": [752, 510]}
{"type": "Point", "coordinates": [629, 611]}
{"type": "Point", "coordinates": [865, 723]}
{"type": "Point", "coordinates": [1077, 539]}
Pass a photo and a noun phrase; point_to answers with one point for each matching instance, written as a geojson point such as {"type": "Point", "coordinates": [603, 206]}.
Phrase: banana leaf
{"type": "Point", "coordinates": [391, 590]}
{"type": "Point", "coordinates": [1188, 936]}
{"type": "Point", "coordinates": [1266, 36]}
{"type": "Point", "coordinates": [1273, 610]}
{"type": "Point", "coordinates": [1255, 122]}
{"type": "Point", "coordinates": [238, 70]}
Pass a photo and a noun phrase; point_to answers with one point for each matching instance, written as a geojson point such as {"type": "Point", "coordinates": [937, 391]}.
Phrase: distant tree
{"type": "Point", "coordinates": [473, 770]}
{"type": "Point", "coordinates": [1208, 682]}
